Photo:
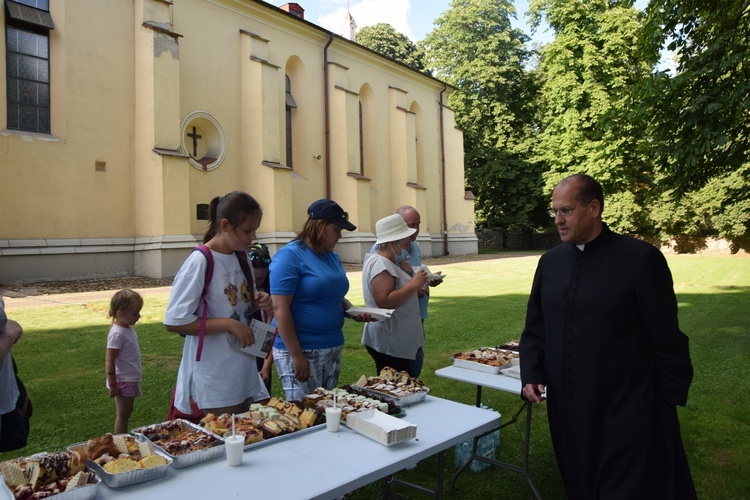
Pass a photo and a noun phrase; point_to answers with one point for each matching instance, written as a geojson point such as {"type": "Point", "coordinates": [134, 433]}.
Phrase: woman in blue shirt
{"type": "Point", "coordinates": [308, 289]}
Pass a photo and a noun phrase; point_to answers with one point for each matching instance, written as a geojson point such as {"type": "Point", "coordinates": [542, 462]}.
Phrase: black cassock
{"type": "Point", "coordinates": [602, 334]}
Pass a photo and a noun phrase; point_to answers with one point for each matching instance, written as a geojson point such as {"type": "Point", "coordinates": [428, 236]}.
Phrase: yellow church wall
{"type": "Point", "coordinates": [117, 186]}
{"type": "Point", "coordinates": [59, 185]}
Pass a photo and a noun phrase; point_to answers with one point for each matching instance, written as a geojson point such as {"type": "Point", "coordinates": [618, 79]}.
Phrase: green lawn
{"type": "Point", "coordinates": [481, 303]}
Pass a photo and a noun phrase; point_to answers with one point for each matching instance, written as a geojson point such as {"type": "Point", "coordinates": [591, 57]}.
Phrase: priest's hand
{"type": "Point", "coordinates": [534, 393]}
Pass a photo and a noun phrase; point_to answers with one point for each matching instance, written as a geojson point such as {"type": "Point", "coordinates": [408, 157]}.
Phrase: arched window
{"type": "Point", "coordinates": [289, 105]}
{"type": "Point", "coordinates": [361, 141]}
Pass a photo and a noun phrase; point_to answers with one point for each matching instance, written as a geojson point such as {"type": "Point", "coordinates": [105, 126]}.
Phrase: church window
{"type": "Point", "coordinates": [288, 118]}
{"type": "Point", "coordinates": [27, 26]}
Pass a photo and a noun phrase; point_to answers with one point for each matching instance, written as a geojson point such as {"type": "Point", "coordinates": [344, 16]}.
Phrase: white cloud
{"type": "Point", "coordinates": [368, 13]}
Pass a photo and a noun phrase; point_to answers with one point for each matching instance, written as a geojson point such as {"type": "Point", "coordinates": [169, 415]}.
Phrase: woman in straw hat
{"type": "Point", "coordinates": [398, 341]}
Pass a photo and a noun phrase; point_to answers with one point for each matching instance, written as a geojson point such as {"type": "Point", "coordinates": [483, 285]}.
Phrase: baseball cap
{"type": "Point", "coordinates": [392, 228]}
{"type": "Point", "coordinates": [329, 210]}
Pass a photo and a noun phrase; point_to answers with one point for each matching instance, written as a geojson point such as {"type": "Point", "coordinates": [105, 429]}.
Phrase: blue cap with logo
{"type": "Point", "coordinates": [329, 210]}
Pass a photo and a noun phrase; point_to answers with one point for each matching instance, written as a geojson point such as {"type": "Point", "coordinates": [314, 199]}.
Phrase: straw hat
{"type": "Point", "coordinates": [392, 228]}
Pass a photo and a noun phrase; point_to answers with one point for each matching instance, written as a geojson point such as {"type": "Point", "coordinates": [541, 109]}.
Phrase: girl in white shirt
{"type": "Point", "coordinates": [225, 379]}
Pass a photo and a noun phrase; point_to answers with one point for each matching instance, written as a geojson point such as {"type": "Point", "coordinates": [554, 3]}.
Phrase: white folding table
{"type": "Point", "coordinates": [321, 464]}
{"type": "Point", "coordinates": [502, 383]}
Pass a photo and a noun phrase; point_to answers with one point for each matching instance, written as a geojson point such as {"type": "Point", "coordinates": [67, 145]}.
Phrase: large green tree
{"type": "Point", "coordinates": [698, 119]}
{"type": "Point", "coordinates": [585, 73]}
{"type": "Point", "coordinates": [474, 48]}
{"type": "Point", "coordinates": [384, 39]}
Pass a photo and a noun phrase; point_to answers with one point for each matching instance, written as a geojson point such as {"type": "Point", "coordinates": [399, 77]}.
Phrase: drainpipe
{"type": "Point", "coordinates": [327, 116]}
{"type": "Point", "coordinates": [442, 169]}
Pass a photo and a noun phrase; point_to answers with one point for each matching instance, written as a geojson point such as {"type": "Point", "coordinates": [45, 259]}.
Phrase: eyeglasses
{"type": "Point", "coordinates": [564, 211]}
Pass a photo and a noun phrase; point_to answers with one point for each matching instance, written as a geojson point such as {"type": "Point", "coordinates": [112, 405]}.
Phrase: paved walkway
{"type": "Point", "coordinates": [14, 302]}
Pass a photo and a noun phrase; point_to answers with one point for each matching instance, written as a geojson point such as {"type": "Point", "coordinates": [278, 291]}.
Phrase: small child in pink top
{"type": "Point", "coordinates": [123, 362]}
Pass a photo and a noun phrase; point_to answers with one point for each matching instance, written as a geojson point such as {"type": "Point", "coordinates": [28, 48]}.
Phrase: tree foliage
{"type": "Point", "coordinates": [699, 119]}
{"type": "Point", "coordinates": [585, 74]}
{"type": "Point", "coordinates": [474, 48]}
{"type": "Point", "coordinates": [671, 150]}
{"type": "Point", "coordinates": [384, 39]}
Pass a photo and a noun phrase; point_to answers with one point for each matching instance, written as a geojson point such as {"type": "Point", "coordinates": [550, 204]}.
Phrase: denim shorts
{"type": "Point", "coordinates": [325, 365]}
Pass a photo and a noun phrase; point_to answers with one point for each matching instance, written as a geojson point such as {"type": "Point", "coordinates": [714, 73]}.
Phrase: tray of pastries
{"type": "Point", "coordinates": [264, 424]}
{"type": "Point", "coordinates": [62, 475]}
{"type": "Point", "coordinates": [121, 459]}
{"type": "Point", "coordinates": [391, 385]}
{"type": "Point", "coordinates": [349, 400]}
{"type": "Point", "coordinates": [486, 359]}
{"type": "Point", "coordinates": [184, 442]}
{"type": "Point", "coordinates": [511, 345]}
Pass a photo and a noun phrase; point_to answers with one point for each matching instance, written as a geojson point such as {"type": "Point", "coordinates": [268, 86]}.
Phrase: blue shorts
{"type": "Point", "coordinates": [325, 365]}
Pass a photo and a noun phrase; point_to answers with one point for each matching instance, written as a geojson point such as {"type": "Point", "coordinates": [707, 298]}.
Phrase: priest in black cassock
{"type": "Point", "coordinates": [603, 346]}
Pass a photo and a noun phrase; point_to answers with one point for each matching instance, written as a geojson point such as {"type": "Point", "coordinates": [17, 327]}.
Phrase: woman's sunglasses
{"type": "Point", "coordinates": [259, 256]}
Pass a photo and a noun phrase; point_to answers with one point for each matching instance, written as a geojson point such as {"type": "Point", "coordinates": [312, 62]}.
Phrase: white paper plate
{"type": "Point", "coordinates": [378, 426]}
{"type": "Point", "coordinates": [430, 276]}
{"type": "Point", "coordinates": [376, 313]}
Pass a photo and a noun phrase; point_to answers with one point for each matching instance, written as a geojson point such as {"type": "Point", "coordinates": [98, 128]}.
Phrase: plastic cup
{"type": "Point", "coordinates": [333, 419]}
{"type": "Point", "coordinates": [235, 446]}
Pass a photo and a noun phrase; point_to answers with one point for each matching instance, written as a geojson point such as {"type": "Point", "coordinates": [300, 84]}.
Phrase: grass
{"type": "Point", "coordinates": [483, 302]}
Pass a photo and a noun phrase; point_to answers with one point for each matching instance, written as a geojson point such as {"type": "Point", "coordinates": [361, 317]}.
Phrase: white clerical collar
{"type": "Point", "coordinates": [580, 247]}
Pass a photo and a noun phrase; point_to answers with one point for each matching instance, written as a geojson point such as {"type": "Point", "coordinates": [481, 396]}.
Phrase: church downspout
{"type": "Point", "coordinates": [442, 171]}
{"type": "Point", "coordinates": [327, 116]}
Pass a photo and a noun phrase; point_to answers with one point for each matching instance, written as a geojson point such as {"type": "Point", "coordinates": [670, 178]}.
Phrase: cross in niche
{"type": "Point", "coordinates": [195, 136]}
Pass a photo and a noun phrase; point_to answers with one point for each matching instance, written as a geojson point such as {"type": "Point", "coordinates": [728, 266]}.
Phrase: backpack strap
{"type": "Point", "coordinates": [207, 280]}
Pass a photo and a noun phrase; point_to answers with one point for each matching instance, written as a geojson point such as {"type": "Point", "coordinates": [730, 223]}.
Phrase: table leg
{"type": "Point", "coordinates": [437, 493]}
{"type": "Point", "coordinates": [524, 470]}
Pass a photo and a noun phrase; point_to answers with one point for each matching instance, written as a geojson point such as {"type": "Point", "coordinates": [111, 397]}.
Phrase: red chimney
{"type": "Point", "coordinates": [294, 9]}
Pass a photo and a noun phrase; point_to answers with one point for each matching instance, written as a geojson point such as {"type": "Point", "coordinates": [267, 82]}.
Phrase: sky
{"type": "Point", "coordinates": [413, 18]}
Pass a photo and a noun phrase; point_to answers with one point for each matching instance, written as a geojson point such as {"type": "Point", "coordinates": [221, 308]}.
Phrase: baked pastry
{"type": "Point", "coordinates": [176, 440]}
{"type": "Point", "coordinates": [102, 445]}
{"type": "Point", "coordinates": [152, 461]}
{"type": "Point", "coordinates": [308, 417]}
{"type": "Point", "coordinates": [121, 465]}
{"type": "Point", "coordinates": [44, 475]}
{"type": "Point", "coordinates": [253, 436]}
{"type": "Point", "coordinates": [271, 429]}
{"type": "Point", "coordinates": [59, 465]}
{"type": "Point", "coordinates": [132, 445]}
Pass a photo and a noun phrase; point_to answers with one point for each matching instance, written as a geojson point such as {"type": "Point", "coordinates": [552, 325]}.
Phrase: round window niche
{"type": "Point", "coordinates": [203, 140]}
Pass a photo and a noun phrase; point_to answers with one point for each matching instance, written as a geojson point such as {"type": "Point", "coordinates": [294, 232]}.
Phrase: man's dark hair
{"type": "Point", "coordinates": [588, 189]}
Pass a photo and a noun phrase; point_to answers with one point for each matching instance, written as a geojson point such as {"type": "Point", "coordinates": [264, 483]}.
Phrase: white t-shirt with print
{"type": "Point", "coordinates": [225, 376]}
